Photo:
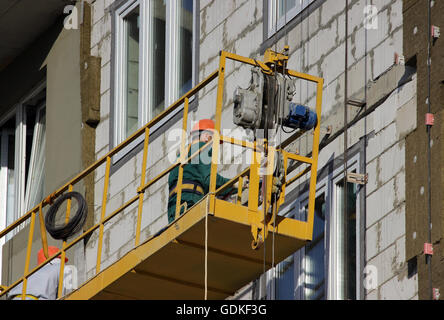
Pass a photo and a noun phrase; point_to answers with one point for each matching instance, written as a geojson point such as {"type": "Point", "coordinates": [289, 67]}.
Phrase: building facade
{"type": "Point", "coordinates": [105, 68]}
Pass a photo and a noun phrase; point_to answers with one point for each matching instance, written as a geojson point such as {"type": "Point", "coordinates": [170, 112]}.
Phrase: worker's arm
{"type": "Point", "coordinates": [220, 181]}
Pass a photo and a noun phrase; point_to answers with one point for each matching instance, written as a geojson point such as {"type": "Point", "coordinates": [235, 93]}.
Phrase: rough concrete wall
{"type": "Point", "coordinates": [119, 234]}
{"type": "Point", "coordinates": [63, 131]}
{"type": "Point", "coordinates": [415, 45]}
{"type": "Point", "coordinates": [317, 47]}
{"type": "Point", "coordinates": [63, 111]}
{"type": "Point", "coordinates": [101, 47]}
{"type": "Point", "coordinates": [385, 221]}
{"type": "Point", "coordinates": [90, 67]}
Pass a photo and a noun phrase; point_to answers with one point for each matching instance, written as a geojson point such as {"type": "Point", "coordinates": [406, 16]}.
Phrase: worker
{"type": "Point", "coordinates": [43, 284]}
{"type": "Point", "coordinates": [197, 173]}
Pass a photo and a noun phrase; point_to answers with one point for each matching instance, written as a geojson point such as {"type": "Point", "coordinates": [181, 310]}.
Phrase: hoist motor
{"type": "Point", "coordinates": [267, 102]}
{"type": "Point", "coordinates": [248, 103]}
{"type": "Point", "coordinates": [300, 117]}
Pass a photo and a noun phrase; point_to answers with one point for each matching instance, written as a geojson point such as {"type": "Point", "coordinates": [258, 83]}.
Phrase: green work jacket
{"type": "Point", "coordinates": [198, 170]}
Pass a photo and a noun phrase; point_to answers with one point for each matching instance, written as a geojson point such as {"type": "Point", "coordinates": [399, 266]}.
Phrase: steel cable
{"type": "Point", "coordinates": [74, 224]}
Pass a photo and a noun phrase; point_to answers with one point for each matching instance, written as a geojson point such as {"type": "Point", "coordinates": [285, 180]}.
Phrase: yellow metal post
{"type": "Point", "coordinates": [281, 199]}
{"type": "Point", "coordinates": [102, 217]}
{"type": "Point", "coordinates": [28, 255]}
{"type": "Point", "coordinates": [239, 190]}
{"type": "Point", "coordinates": [268, 176]}
{"type": "Point", "coordinates": [142, 183]}
{"type": "Point", "coordinates": [43, 232]}
{"type": "Point", "coordinates": [253, 198]}
{"type": "Point", "coordinates": [314, 163]}
{"type": "Point", "coordinates": [63, 255]}
{"type": "Point", "coordinates": [183, 156]}
{"type": "Point", "coordinates": [216, 137]}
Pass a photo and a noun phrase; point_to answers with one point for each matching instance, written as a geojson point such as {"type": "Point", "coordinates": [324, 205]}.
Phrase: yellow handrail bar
{"type": "Point", "coordinates": [251, 171]}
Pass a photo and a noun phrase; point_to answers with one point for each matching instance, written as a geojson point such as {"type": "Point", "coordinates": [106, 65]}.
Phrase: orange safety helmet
{"type": "Point", "coordinates": [204, 125]}
{"type": "Point", "coordinates": [51, 251]}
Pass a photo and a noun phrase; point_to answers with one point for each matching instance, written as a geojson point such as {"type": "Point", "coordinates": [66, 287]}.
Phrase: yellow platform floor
{"type": "Point", "coordinates": [171, 265]}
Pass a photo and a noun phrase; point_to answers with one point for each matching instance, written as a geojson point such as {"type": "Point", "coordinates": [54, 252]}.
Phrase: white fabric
{"type": "Point", "coordinates": [44, 283]}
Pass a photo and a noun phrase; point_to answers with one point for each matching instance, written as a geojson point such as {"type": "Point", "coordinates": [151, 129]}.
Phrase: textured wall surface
{"type": "Point", "coordinates": [317, 46]}
{"type": "Point", "coordinates": [417, 205]}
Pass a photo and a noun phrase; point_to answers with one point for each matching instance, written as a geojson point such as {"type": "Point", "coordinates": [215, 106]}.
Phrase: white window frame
{"type": "Point", "coordinates": [328, 186]}
{"type": "Point", "coordinates": [17, 112]}
{"type": "Point", "coordinates": [37, 134]}
{"type": "Point", "coordinates": [275, 23]}
{"type": "Point", "coordinates": [334, 285]}
{"type": "Point", "coordinates": [146, 78]}
{"type": "Point", "coordinates": [120, 69]}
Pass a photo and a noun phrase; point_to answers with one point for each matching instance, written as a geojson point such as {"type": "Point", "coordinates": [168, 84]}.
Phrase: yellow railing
{"type": "Point", "coordinates": [252, 172]}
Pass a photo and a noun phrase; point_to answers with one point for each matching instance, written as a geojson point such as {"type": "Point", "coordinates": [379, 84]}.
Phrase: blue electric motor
{"type": "Point", "coordinates": [300, 117]}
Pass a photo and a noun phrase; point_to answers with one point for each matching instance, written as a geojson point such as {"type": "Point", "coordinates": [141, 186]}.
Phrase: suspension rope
{"type": "Point", "coordinates": [207, 209]}
{"type": "Point", "coordinates": [345, 192]}
{"type": "Point", "coordinates": [429, 155]}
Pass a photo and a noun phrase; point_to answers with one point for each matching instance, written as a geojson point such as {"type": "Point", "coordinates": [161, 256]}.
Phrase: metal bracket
{"type": "Point", "coordinates": [356, 103]}
{"type": "Point", "coordinates": [430, 119]}
{"type": "Point", "coordinates": [436, 32]}
{"type": "Point", "coordinates": [275, 58]}
{"type": "Point", "coordinates": [436, 294]}
{"type": "Point", "coordinates": [325, 130]}
{"type": "Point", "coordinates": [428, 249]}
{"type": "Point", "coordinates": [399, 59]}
{"type": "Point", "coordinates": [357, 178]}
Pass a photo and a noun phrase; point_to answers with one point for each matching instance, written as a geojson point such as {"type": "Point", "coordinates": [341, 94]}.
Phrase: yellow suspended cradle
{"type": "Point", "coordinates": [207, 252]}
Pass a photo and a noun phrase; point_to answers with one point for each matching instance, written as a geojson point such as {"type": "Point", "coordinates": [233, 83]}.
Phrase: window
{"type": "Point", "coordinates": [314, 262]}
{"type": "Point", "coordinates": [153, 60]}
{"type": "Point", "coordinates": [329, 266]}
{"type": "Point", "coordinates": [312, 267]}
{"type": "Point", "coordinates": [22, 159]}
{"type": "Point", "coordinates": [280, 12]}
{"type": "Point", "coordinates": [344, 242]}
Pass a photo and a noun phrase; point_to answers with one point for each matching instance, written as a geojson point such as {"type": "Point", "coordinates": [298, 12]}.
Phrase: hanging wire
{"type": "Point", "coordinates": [308, 89]}
{"type": "Point", "coordinates": [264, 191]}
{"type": "Point", "coordinates": [364, 187]}
{"type": "Point", "coordinates": [345, 193]}
{"type": "Point", "coordinates": [429, 155]}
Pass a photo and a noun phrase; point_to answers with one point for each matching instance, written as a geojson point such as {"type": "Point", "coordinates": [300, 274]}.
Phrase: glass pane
{"type": "Point", "coordinates": [285, 279]}
{"type": "Point", "coordinates": [347, 241]}
{"type": "Point", "coordinates": [315, 255]}
{"type": "Point", "coordinates": [351, 241]}
{"type": "Point", "coordinates": [158, 27]}
{"type": "Point", "coordinates": [11, 180]}
{"type": "Point", "coordinates": [285, 6]}
{"type": "Point", "coordinates": [185, 54]}
{"type": "Point", "coordinates": [35, 187]}
{"type": "Point", "coordinates": [30, 114]}
{"type": "Point", "coordinates": [314, 272]}
{"type": "Point", "coordinates": [7, 157]}
{"type": "Point", "coordinates": [132, 71]}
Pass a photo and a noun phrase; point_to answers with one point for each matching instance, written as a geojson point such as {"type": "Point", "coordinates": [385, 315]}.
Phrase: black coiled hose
{"type": "Point", "coordinates": [75, 222]}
